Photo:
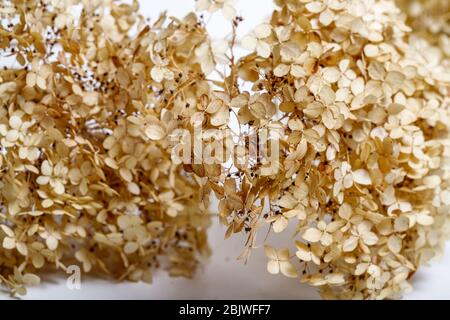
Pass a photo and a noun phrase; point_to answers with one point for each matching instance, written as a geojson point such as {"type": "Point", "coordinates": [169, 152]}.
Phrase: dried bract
{"type": "Point", "coordinates": [88, 106]}
{"type": "Point", "coordinates": [363, 169]}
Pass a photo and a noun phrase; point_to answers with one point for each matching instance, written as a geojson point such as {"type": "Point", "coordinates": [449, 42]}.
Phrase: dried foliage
{"type": "Point", "coordinates": [429, 19]}
{"type": "Point", "coordinates": [355, 103]}
{"type": "Point", "coordinates": [87, 106]}
{"type": "Point", "coordinates": [363, 170]}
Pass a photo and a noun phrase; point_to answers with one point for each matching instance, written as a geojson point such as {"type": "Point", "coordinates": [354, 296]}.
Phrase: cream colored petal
{"type": "Point", "coordinates": [270, 252]}
{"type": "Point", "coordinates": [46, 168]}
{"type": "Point", "coordinates": [361, 176]}
{"type": "Point", "coordinates": [157, 73]}
{"type": "Point", "coordinates": [31, 79]}
{"type": "Point", "coordinates": [361, 268]}
{"type": "Point", "coordinates": [130, 247]}
{"type": "Point", "coordinates": [229, 12]}
{"type": "Point", "coordinates": [312, 235]}
{"type": "Point", "coordinates": [326, 17]}
{"type": "Point", "coordinates": [424, 219]}
{"type": "Point", "coordinates": [263, 49]}
{"type": "Point", "coordinates": [315, 6]}
{"type": "Point", "coordinates": [263, 31]}
{"type": "Point", "coordinates": [280, 224]}
{"type": "Point", "coordinates": [43, 180]}
{"type": "Point", "coordinates": [281, 70]}
{"type": "Point", "coordinates": [58, 186]}
{"type": "Point", "coordinates": [31, 279]}
{"type": "Point", "coordinates": [155, 132]}
{"type": "Point", "coordinates": [15, 122]}
{"type": "Point", "coordinates": [303, 254]}
{"type": "Point", "coordinates": [350, 244]}
{"type": "Point", "coordinates": [249, 43]}
{"type": "Point", "coordinates": [369, 238]}
{"type": "Point", "coordinates": [288, 269]}
{"type": "Point", "coordinates": [273, 267]}
{"type": "Point", "coordinates": [9, 243]}
{"type": "Point", "coordinates": [51, 242]}
{"type": "Point", "coordinates": [41, 82]}
{"type": "Point", "coordinates": [133, 188]}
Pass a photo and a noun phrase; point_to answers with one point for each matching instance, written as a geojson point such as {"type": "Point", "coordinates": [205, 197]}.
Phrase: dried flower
{"type": "Point", "coordinates": [363, 167]}
{"type": "Point", "coordinates": [86, 115]}
{"type": "Point", "coordinates": [336, 123]}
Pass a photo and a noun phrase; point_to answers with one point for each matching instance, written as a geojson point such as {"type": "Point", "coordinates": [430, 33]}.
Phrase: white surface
{"type": "Point", "coordinates": [222, 277]}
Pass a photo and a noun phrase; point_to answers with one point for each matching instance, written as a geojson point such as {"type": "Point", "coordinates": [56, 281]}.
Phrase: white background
{"type": "Point", "coordinates": [222, 277]}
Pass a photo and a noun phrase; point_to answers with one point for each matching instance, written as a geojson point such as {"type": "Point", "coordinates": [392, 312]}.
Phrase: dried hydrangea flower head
{"type": "Point", "coordinates": [89, 94]}
{"type": "Point", "coordinates": [95, 105]}
{"type": "Point", "coordinates": [429, 19]}
{"type": "Point", "coordinates": [363, 169]}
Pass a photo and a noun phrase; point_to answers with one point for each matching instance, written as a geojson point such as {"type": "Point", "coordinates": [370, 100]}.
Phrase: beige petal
{"type": "Point", "coordinates": [51, 242]}
{"type": "Point", "coordinates": [315, 6]}
{"type": "Point", "coordinates": [331, 74]}
{"type": "Point", "coordinates": [424, 219]}
{"type": "Point", "coordinates": [303, 252]}
{"type": "Point", "coordinates": [263, 49]}
{"type": "Point", "coordinates": [371, 50]}
{"type": "Point", "coordinates": [9, 232]}
{"type": "Point", "coordinates": [357, 86]}
{"type": "Point", "coordinates": [43, 180]}
{"type": "Point", "coordinates": [326, 239]}
{"type": "Point", "coordinates": [335, 278]}
{"type": "Point", "coordinates": [394, 243]}
{"type": "Point", "coordinates": [263, 31]}
{"type": "Point", "coordinates": [31, 79]}
{"type": "Point", "coordinates": [9, 243]}
{"type": "Point", "coordinates": [369, 238]}
{"type": "Point", "coordinates": [133, 188]}
{"type": "Point", "coordinates": [229, 12]}
{"type": "Point", "coordinates": [12, 135]}
{"type": "Point", "coordinates": [15, 122]}
{"type": "Point", "coordinates": [312, 235]}
{"type": "Point", "coordinates": [31, 279]}
{"type": "Point", "coordinates": [350, 244]}
{"type": "Point", "coordinates": [326, 17]}
{"type": "Point", "coordinates": [249, 43]}
{"type": "Point", "coordinates": [288, 269]}
{"type": "Point", "coordinates": [280, 224]}
{"type": "Point", "coordinates": [126, 174]}
{"type": "Point", "coordinates": [130, 247]}
{"type": "Point", "coordinates": [155, 132]}
{"type": "Point", "coordinates": [41, 82]}
{"type": "Point", "coordinates": [297, 71]}
{"type": "Point", "coordinates": [345, 211]}
{"type": "Point", "coordinates": [270, 252]}
{"type": "Point", "coordinates": [22, 248]}
{"type": "Point", "coordinates": [281, 70]}
{"type": "Point", "coordinates": [58, 187]}
{"type": "Point", "coordinates": [283, 254]}
{"type": "Point", "coordinates": [38, 261]}
{"type": "Point", "coordinates": [46, 168]}
{"type": "Point", "coordinates": [157, 73]}
{"type": "Point", "coordinates": [361, 268]}
{"type": "Point", "coordinates": [361, 176]}
{"type": "Point", "coordinates": [221, 117]}
{"type": "Point", "coordinates": [273, 267]}
{"type": "Point", "coordinates": [111, 163]}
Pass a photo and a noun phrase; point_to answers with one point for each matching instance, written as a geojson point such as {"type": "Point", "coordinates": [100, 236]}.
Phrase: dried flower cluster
{"type": "Point", "coordinates": [94, 106]}
{"type": "Point", "coordinates": [429, 19]}
{"type": "Point", "coordinates": [363, 170]}
{"type": "Point", "coordinates": [86, 173]}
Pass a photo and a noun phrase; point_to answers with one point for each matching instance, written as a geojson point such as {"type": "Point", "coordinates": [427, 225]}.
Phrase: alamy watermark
{"type": "Point", "coordinates": [73, 282]}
